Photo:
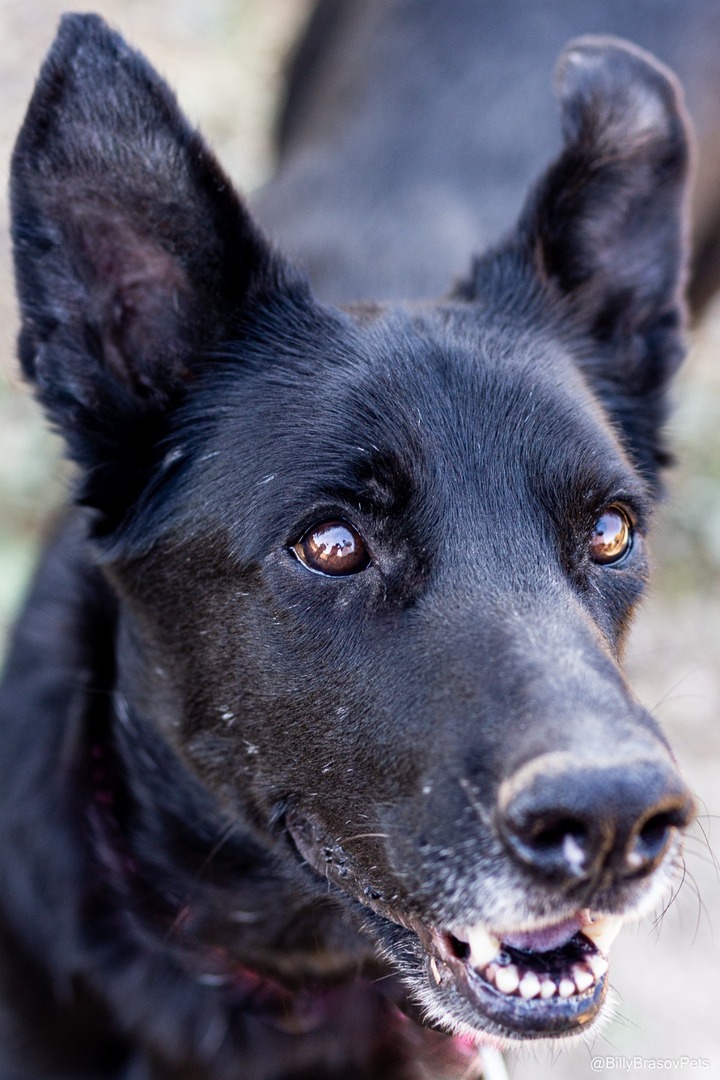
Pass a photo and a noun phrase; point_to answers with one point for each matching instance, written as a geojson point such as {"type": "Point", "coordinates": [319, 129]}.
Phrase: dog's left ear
{"type": "Point", "coordinates": [605, 229]}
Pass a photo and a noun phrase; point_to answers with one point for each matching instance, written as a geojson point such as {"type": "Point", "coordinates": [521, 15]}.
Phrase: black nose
{"type": "Point", "coordinates": [572, 820]}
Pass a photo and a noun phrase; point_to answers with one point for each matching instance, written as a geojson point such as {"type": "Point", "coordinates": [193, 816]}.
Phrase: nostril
{"type": "Point", "coordinates": [568, 820]}
{"type": "Point", "coordinates": [563, 844]}
{"type": "Point", "coordinates": [557, 835]}
{"type": "Point", "coordinates": [651, 841]}
{"type": "Point", "coordinates": [654, 834]}
{"type": "Point", "coordinates": [553, 844]}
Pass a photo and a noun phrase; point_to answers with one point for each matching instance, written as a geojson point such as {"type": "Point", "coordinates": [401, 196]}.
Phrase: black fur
{"type": "Point", "coordinates": [242, 801]}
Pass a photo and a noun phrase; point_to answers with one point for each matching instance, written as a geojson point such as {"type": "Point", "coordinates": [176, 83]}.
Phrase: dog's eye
{"type": "Point", "coordinates": [333, 548]}
{"type": "Point", "coordinates": [612, 536]}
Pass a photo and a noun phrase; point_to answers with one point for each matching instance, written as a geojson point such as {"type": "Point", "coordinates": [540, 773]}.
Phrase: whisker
{"type": "Point", "coordinates": [668, 695]}
{"type": "Point", "coordinates": [225, 836]}
{"type": "Point", "coordinates": [383, 978]}
{"type": "Point", "coordinates": [673, 897]}
{"type": "Point", "coordinates": [701, 908]}
{"type": "Point", "coordinates": [365, 836]}
{"type": "Point", "coordinates": [706, 839]}
{"type": "Point", "coordinates": [223, 839]}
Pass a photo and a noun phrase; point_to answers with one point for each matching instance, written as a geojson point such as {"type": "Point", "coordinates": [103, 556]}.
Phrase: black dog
{"type": "Point", "coordinates": [314, 721]}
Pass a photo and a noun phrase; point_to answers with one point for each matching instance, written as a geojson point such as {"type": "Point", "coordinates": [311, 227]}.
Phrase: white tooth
{"type": "Point", "coordinates": [583, 978]}
{"type": "Point", "coordinates": [490, 972]}
{"type": "Point", "coordinates": [507, 979]}
{"type": "Point", "coordinates": [603, 931]}
{"type": "Point", "coordinates": [529, 985]}
{"type": "Point", "coordinates": [598, 965]}
{"type": "Point", "coordinates": [547, 988]}
{"type": "Point", "coordinates": [566, 988]}
{"type": "Point", "coordinates": [484, 946]}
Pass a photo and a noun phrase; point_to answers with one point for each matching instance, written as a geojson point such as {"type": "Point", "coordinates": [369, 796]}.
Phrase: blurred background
{"type": "Point", "coordinates": [224, 58]}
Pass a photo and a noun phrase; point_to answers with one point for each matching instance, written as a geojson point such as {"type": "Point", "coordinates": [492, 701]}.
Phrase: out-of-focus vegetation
{"type": "Point", "coordinates": [688, 542]}
{"type": "Point", "coordinates": [30, 487]}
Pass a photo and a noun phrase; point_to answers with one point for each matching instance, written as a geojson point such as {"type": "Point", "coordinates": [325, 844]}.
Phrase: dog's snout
{"type": "Point", "coordinates": [570, 821]}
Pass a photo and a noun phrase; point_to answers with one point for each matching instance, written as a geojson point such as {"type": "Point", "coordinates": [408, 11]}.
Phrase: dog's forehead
{"type": "Point", "coordinates": [472, 377]}
{"type": "Point", "coordinates": [406, 408]}
{"type": "Point", "coordinates": [402, 376]}
{"type": "Point", "coordinates": [452, 384]}
{"type": "Point", "coordinates": [488, 403]}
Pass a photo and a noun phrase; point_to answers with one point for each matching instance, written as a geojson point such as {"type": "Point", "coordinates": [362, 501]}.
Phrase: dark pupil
{"type": "Point", "coordinates": [333, 548]}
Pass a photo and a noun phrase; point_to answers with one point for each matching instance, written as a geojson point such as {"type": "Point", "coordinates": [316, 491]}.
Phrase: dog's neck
{"type": "Point", "coordinates": [201, 906]}
{"type": "Point", "coordinates": [199, 882]}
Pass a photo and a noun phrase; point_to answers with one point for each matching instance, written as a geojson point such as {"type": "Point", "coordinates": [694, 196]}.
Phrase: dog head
{"type": "Point", "coordinates": [375, 565]}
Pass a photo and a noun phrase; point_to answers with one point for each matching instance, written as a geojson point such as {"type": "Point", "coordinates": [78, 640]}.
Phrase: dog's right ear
{"type": "Point", "coordinates": [133, 254]}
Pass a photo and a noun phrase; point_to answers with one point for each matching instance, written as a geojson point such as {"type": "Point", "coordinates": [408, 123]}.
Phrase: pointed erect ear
{"type": "Point", "coordinates": [132, 252]}
{"type": "Point", "coordinates": [608, 221]}
{"type": "Point", "coordinates": [605, 229]}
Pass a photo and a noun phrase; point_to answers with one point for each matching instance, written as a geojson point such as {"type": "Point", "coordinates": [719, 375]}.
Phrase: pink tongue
{"type": "Point", "coordinates": [550, 937]}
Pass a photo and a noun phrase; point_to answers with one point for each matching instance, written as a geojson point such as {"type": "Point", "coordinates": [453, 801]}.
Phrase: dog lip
{"type": "Point", "coordinates": [540, 937]}
{"type": "Point", "coordinates": [536, 937]}
{"type": "Point", "coordinates": [545, 938]}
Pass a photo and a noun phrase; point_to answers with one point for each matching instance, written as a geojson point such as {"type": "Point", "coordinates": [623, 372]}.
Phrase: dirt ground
{"type": "Point", "coordinates": [223, 57]}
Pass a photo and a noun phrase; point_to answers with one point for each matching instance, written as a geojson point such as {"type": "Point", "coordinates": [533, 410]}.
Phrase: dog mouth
{"type": "Point", "coordinates": [544, 981]}
{"type": "Point", "coordinates": [533, 980]}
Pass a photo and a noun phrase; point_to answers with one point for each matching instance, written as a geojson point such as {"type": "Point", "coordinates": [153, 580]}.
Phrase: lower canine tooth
{"type": "Point", "coordinates": [547, 988]}
{"type": "Point", "coordinates": [484, 947]}
{"type": "Point", "coordinates": [583, 977]}
{"type": "Point", "coordinates": [529, 985]}
{"type": "Point", "coordinates": [507, 979]}
{"type": "Point", "coordinates": [566, 988]}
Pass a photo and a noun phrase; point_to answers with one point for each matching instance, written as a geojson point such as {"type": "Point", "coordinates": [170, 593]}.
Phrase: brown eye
{"type": "Point", "coordinates": [612, 537]}
{"type": "Point", "coordinates": [333, 548]}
